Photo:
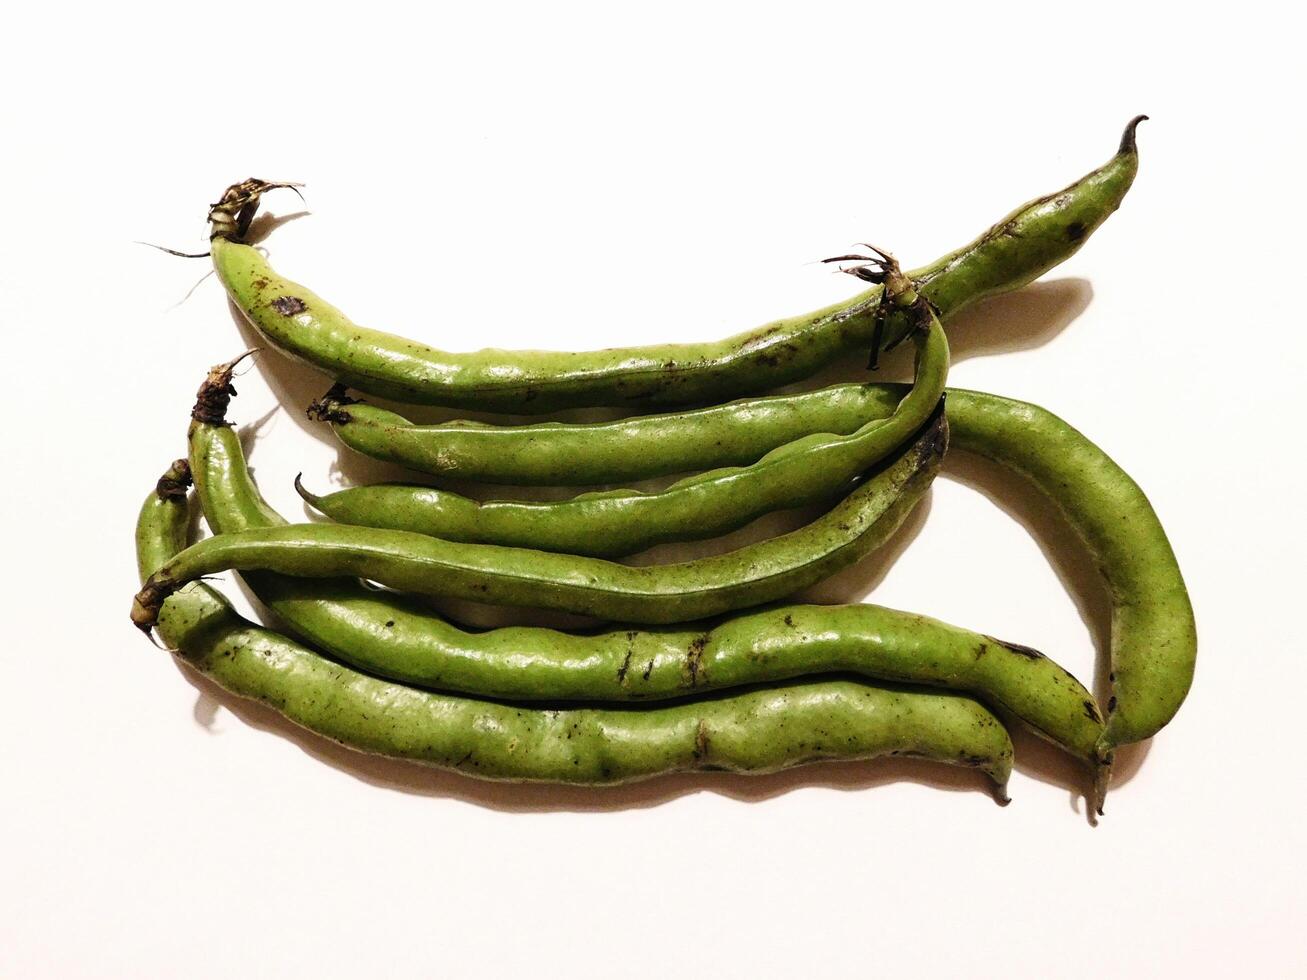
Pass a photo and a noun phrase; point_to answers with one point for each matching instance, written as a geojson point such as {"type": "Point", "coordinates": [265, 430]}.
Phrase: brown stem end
{"type": "Point", "coordinates": [1128, 144]}
{"type": "Point", "coordinates": [215, 394]}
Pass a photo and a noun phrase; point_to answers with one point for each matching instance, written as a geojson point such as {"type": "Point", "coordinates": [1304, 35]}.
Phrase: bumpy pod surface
{"type": "Point", "coordinates": [386, 635]}
{"type": "Point", "coordinates": [1020, 248]}
{"type": "Point", "coordinates": [410, 562]}
{"type": "Point", "coordinates": [754, 732]}
{"type": "Point", "coordinates": [816, 468]}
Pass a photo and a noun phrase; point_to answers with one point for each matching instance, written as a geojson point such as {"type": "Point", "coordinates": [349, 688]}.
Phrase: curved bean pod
{"type": "Point", "coordinates": [756, 732]}
{"type": "Point", "coordinates": [1154, 640]}
{"type": "Point", "coordinates": [813, 469]}
{"type": "Point", "coordinates": [828, 458]}
{"type": "Point", "coordinates": [569, 454]}
{"type": "Point", "coordinates": [1017, 250]}
{"type": "Point", "coordinates": [390, 637]}
{"type": "Point", "coordinates": [499, 575]}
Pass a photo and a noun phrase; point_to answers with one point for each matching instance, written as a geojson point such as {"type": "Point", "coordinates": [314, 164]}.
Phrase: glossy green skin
{"type": "Point", "coordinates": [1154, 639]}
{"type": "Point", "coordinates": [411, 562]}
{"type": "Point", "coordinates": [1020, 248]}
{"type": "Point", "coordinates": [756, 732]}
{"type": "Point", "coordinates": [813, 469]}
{"type": "Point", "coordinates": [387, 636]}
{"type": "Point", "coordinates": [563, 454]}
{"type": "Point", "coordinates": [1154, 636]}
{"type": "Point", "coordinates": [1154, 643]}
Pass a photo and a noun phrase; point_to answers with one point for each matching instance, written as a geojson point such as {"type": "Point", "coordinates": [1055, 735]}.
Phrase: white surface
{"type": "Point", "coordinates": [579, 177]}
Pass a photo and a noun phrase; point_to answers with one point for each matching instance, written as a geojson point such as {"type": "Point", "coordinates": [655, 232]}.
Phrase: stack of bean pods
{"type": "Point", "coordinates": [732, 687]}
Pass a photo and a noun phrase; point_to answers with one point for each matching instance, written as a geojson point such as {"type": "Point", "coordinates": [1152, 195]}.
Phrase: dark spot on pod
{"type": "Point", "coordinates": [260, 283]}
{"type": "Point", "coordinates": [982, 650]}
{"type": "Point", "coordinates": [694, 657]}
{"type": "Point", "coordinates": [1030, 653]}
{"type": "Point", "coordinates": [173, 484]}
{"type": "Point", "coordinates": [1111, 704]}
{"type": "Point", "coordinates": [701, 740]}
{"type": "Point", "coordinates": [1111, 678]}
{"type": "Point", "coordinates": [1091, 711]}
{"type": "Point", "coordinates": [621, 671]}
{"type": "Point", "coordinates": [648, 670]}
{"type": "Point", "coordinates": [289, 305]}
{"type": "Point", "coordinates": [789, 620]}
{"type": "Point", "coordinates": [1075, 231]}
{"type": "Point", "coordinates": [390, 622]}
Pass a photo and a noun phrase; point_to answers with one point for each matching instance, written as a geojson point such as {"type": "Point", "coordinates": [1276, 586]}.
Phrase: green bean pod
{"type": "Point", "coordinates": [1017, 250]}
{"type": "Point", "coordinates": [570, 454]}
{"type": "Point", "coordinates": [411, 562]}
{"type": "Point", "coordinates": [758, 731]}
{"type": "Point", "coordinates": [1154, 639]}
{"type": "Point", "coordinates": [386, 635]}
{"type": "Point", "coordinates": [810, 470]}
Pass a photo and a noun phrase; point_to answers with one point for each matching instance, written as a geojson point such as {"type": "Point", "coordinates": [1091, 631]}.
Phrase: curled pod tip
{"type": "Point", "coordinates": [312, 499]}
{"type": "Point", "coordinates": [1128, 144]}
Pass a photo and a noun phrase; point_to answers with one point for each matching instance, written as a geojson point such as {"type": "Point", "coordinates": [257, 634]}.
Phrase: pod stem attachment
{"type": "Point", "coordinates": [331, 406]}
{"type": "Point", "coordinates": [175, 482]}
{"type": "Point", "coordinates": [900, 295]}
{"type": "Point", "coordinates": [230, 217]}
{"type": "Point", "coordinates": [215, 393]}
{"type": "Point", "coordinates": [146, 605]}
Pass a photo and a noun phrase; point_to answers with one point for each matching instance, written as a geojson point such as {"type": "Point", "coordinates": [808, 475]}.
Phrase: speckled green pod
{"type": "Point", "coordinates": [1154, 642]}
{"type": "Point", "coordinates": [755, 732]}
{"type": "Point", "coordinates": [568, 454]}
{"type": "Point", "coordinates": [387, 636]}
{"type": "Point", "coordinates": [814, 469]}
{"type": "Point", "coordinates": [1017, 250]}
{"type": "Point", "coordinates": [1154, 637]}
{"type": "Point", "coordinates": [749, 576]}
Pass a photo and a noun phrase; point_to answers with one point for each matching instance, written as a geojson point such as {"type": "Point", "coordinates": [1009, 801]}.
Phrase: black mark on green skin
{"type": "Point", "coordinates": [289, 305]}
{"type": "Point", "coordinates": [811, 470]}
{"type": "Point", "coordinates": [679, 592]}
{"type": "Point", "coordinates": [507, 742]}
{"type": "Point", "coordinates": [787, 351]}
{"type": "Point", "coordinates": [1030, 653]}
{"type": "Point", "coordinates": [768, 646]}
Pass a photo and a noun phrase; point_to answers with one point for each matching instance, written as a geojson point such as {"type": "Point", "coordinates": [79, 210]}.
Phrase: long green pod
{"type": "Point", "coordinates": [810, 470]}
{"type": "Point", "coordinates": [411, 562]}
{"type": "Point", "coordinates": [1154, 639]}
{"type": "Point", "coordinates": [572, 454]}
{"type": "Point", "coordinates": [1020, 248]}
{"type": "Point", "coordinates": [386, 635]}
{"type": "Point", "coordinates": [754, 732]}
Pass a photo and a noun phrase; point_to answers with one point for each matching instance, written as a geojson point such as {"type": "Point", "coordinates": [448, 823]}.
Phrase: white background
{"type": "Point", "coordinates": [574, 177]}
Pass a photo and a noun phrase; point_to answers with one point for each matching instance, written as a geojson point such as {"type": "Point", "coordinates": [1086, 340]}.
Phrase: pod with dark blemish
{"type": "Point", "coordinates": [815, 469]}
{"type": "Point", "coordinates": [758, 731]}
{"type": "Point", "coordinates": [500, 575]}
{"type": "Point", "coordinates": [1017, 250]}
{"type": "Point", "coordinates": [386, 635]}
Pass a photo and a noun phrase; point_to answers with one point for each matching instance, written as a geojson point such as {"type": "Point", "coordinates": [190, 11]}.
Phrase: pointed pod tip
{"type": "Point", "coordinates": [1128, 137]}
{"type": "Point", "coordinates": [310, 498]}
